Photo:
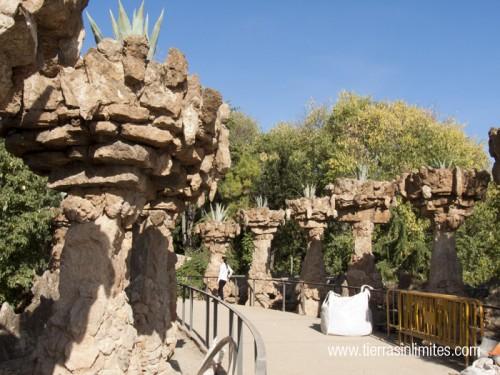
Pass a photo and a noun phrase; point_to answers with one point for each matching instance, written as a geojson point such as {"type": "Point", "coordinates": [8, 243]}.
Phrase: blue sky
{"type": "Point", "coordinates": [270, 57]}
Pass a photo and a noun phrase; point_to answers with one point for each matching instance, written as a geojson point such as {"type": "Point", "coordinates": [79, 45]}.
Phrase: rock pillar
{"type": "Point", "coordinates": [117, 133]}
{"type": "Point", "coordinates": [447, 197]}
{"type": "Point", "coordinates": [263, 223]}
{"type": "Point", "coordinates": [92, 325]}
{"type": "Point", "coordinates": [216, 238]}
{"type": "Point", "coordinates": [312, 215]}
{"type": "Point", "coordinates": [152, 289]}
{"type": "Point", "coordinates": [445, 272]}
{"type": "Point", "coordinates": [495, 152]}
{"type": "Point", "coordinates": [363, 204]}
{"type": "Point", "coordinates": [362, 266]}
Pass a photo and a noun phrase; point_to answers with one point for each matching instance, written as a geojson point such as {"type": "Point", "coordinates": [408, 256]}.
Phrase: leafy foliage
{"type": "Point", "coordinates": [478, 241]}
{"type": "Point", "coordinates": [26, 212]}
{"type": "Point", "coordinates": [394, 137]}
{"type": "Point", "coordinates": [338, 248]}
{"type": "Point", "coordinates": [240, 257]}
{"type": "Point", "coordinates": [124, 28]}
{"type": "Point", "coordinates": [403, 244]}
{"type": "Point", "coordinates": [195, 266]}
{"type": "Point", "coordinates": [289, 247]}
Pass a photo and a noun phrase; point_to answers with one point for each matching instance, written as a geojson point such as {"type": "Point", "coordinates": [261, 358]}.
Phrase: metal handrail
{"type": "Point", "coordinates": [259, 347]}
{"type": "Point", "coordinates": [283, 282]}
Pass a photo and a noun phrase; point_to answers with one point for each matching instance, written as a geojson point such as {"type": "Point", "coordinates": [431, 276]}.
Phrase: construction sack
{"type": "Point", "coordinates": [347, 316]}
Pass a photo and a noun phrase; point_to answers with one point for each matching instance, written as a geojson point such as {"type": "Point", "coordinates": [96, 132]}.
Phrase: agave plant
{"type": "Point", "coordinates": [123, 27]}
{"type": "Point", "coordinates": [310, 191]}
{"type": "Point", "coordinates": [219, 214]}
{"type": "Point", "coordinates": [362, 172]}
{"type": "Point", "coordinates": [441, 163]}
{"type": "Point", "coordinates": [261, 201]}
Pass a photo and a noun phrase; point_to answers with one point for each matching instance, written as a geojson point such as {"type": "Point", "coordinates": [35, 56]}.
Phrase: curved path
{"type": "Point", "coordinates": [295, 346]}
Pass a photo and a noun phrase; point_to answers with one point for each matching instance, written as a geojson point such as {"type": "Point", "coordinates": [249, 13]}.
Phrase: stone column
{"type": "Point", "coordinates": [216, 238]}
{"type": "Point", "coordinates": [263, 223]}
{"type": "Point", "coordinates": [363, 204]}
{"type": "Point", "coordinates": [92, 325]}
{"type": "Point", "coordinates": [312, 215]}
{"type": "Point", "coordinates": [362, 266]}
{"type": "Point", "coordinates": [152, 291]}
{"type": "Point", "coordinates": [445, 272]}
{"type": "Point", "coordinates": [494, 144]}
{"type": "Point", "coordinates": [447, 197]}
{"type": "Point", "coordinates": [116, 132]}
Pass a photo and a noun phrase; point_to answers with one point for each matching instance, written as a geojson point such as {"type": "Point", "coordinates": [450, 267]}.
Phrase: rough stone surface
{"type": "Point", "coordinates": [495, 152]}
{"type": "Point", "coordinates": [363, 204]}
{"type": "Point", "coordinates": [216, 238]}
{"type": "Point", "coordinates": [447, 197]}
{"type": "Point", "coordinates": [263, 223]}
{"type": "Point", "coordinates": [107, 129]}
{"type": "Point", "coordinates": [152, 289]}
{"type": "Point", "coordinates": [492, 317]}
{"type": "Point", "coordinates": [312, 215]}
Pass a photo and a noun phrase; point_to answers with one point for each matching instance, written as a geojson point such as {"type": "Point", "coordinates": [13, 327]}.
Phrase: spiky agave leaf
{"type": "Point", "coordinates": [138, 21]}
{"type": "Point", "coordinates": [310, 191]}
{"type": "Point", "coordinates": [442, 163]}
{"type": "Point", "coordinates": [153, 41]}
{"type": "Point", "coordinates": [362, 171]}
{"type": "Point", "coordinates": [219, 214]}
{"type": "Point", "coordinates": [123, 21]}
{"type": "Point", "coordinates": [146, 27]}
{"type": "Point", "coordinates": [98, 36]}
{"type": "Point", "coordinates": [122, 27]}
{"type": "Point", "coordinates": [261, 201]}
{"type": "Point", "coordinates": [114, 24]}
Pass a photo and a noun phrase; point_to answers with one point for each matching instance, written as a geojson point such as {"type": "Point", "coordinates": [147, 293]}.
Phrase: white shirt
{"type": "Point", "coordinates": [225, 272]}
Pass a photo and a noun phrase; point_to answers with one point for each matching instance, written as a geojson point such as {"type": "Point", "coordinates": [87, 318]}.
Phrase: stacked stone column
{"type": "Point", "coordinates": [363, 204]}
{"type": "Point", "coordinates": [447, 197]}
{"type": "Point", "coordinates": [312, 215]}
{"type": "Point", "coordinates": [118, 134]}
{"type": "Point", "coordinates": [216, 237]}
{"type": "Point", "coordinates": [495, 152]}
{"type": "Point", "coordinates": [152, 277]}
{"type": "Point", "coordinates": [263, 223]}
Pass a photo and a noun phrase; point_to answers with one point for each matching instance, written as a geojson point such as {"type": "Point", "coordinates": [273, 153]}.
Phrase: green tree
{"type": "Point", "coordinates": [403, 245]}
{"type": "Point", "coordinates": [338, 247]}
{"type": "Point", "coordinates": [238, 186]}
{"type": "Point", "coordinates": [194, 267]}
{"type": "Point", "coordinates": [26, 211]}
{"type": "Point", "coordinates": [394, 137]}
{"type": "Point", "coordinates": [478, 241]}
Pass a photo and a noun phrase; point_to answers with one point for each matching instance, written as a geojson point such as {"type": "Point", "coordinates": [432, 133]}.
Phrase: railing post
{"type": "Point", "coordinates": [239, 359]}
{"type": "Point", "coordinates": [216, 304]}
{"type": "Point", "coordinates": [283, 301]}
{"type": "Point", "coordinates": [184, 305]}
{"type": "Point", "coordinates": [231, 322]}
{"type": "Point", "coordinates": [190, 310]}
{"type": "Point", "coordinates": [207, 322]}
{"type": "Point", "coordinates": [237, 290]}
{"type": "Point", "coordinates": [302, 294]}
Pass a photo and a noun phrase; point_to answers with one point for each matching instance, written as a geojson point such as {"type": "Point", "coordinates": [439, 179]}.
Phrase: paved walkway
{"type": "Point", "coordinates": [295, 346]}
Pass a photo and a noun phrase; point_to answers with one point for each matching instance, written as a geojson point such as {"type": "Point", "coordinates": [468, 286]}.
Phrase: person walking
{"type": "Point", "coordinates": [225, 272]}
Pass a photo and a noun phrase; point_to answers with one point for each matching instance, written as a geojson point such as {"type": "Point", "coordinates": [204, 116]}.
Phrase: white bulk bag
{"type": "Point", "coordinates": [347, 316]}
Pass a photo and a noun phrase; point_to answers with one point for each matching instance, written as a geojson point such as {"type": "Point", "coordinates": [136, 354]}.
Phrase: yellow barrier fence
{"type": "Point", "coordinates": [439, 319]}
